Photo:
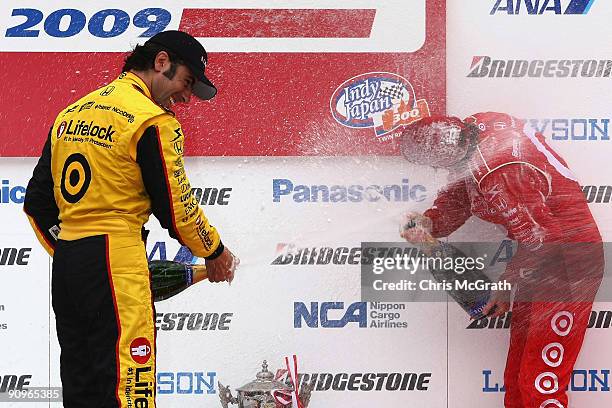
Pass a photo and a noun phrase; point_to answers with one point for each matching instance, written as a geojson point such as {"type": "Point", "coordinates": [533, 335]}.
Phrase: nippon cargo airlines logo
{"type": "Point", "coordinates": [516, 7]}
{"type": "Point", "coordinates": [483, 66]}
{"type": "Point", "coordinates": [337, 315]}
{"type": "Point", "coordinates": [236, 26]}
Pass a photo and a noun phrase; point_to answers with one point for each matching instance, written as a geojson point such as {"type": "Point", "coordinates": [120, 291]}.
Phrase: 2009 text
{"type": "Point", "coordinates": [68, 22]}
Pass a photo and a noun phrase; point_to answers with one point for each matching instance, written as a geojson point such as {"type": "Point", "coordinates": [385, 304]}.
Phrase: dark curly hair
{"type": "Point", "coordinates": [142, 58]}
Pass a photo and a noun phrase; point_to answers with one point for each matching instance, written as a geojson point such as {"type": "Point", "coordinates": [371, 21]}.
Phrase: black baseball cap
{"type": "Point", "coordinates": [192, 53]}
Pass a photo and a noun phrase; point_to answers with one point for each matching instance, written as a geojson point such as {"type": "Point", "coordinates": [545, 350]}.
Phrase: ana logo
{"type": "Point", "coordinates": [379, 100]}
{"type": "Point", "coordinates": [61, 128]}
{"type": "Point", "coordinates": [140, 349]}
{"type": "Point", "coordinates": [514, 7]}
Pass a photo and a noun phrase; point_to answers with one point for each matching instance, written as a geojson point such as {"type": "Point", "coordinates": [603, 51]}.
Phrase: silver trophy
{"type": "Point", "coordinates": [258, 393]}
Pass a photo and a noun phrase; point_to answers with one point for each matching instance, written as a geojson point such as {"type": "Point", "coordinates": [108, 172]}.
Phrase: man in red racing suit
{"type": "Point", "coordinates": [509, 176]}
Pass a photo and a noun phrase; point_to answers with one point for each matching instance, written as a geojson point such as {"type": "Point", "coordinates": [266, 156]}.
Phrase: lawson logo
{"type": "Point", "coordinates": [587, 129]}
{"type": "Point", "coordinates": [302, 193]}
{"type": "Point", "coordinates": [592, 380]}
{"type": "Point", "coordinates": [186, 382]}
{"type": "Point", "coordinates": [516, 7]}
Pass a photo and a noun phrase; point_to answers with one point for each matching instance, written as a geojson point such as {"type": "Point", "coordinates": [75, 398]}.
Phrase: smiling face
{"type": "Point", "coordinates": [172, 83]}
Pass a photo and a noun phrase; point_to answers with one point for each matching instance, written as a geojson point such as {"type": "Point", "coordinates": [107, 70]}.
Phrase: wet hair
{"type": "Point", "coordinates": [142, 58]}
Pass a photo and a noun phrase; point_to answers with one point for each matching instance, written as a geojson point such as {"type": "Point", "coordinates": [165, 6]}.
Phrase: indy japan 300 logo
{"type": "Point", "coordinates": [379, 100]}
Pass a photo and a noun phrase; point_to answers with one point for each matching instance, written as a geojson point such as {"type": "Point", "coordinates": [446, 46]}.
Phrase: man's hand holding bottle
{"type": "Point", "coordinates": [416, 229]}
{"type": "Point", "coordinates": [222, 268]}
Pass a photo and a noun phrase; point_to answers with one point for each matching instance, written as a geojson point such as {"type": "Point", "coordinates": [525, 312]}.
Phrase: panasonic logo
{"type": "Point", "coordinates": [302, 193]}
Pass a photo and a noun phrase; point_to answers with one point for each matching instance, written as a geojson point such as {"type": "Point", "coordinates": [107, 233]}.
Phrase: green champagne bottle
{"type": "Point", "coordinates": [169, 278]}
{"type": "Point", "coordinates": [472, 301]}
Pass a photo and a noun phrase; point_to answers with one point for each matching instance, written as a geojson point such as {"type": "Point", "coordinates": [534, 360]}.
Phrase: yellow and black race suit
{"type": "Point", "coordinates": [111, 159]}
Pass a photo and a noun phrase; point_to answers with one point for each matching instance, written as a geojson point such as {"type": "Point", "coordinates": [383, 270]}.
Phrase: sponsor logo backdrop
{"type": "Point", "coordinates": [276, 74]}
{"type": "Point", "coordinates": [502, 56]}
{"type": "Point", "coordinates": [328, 109]}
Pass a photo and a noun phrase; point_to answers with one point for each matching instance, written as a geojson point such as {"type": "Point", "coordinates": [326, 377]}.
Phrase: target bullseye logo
{"type": "Point", "coordinates": [552, 354]}
{"type": "Point", "coordinates": [551, 403]}
{"type": "Point", "coordinates": [76, 176]}
{"type": "Point", "coordinates": [547, 383]}
{"type": "Point", "coordinates": [562, 323]}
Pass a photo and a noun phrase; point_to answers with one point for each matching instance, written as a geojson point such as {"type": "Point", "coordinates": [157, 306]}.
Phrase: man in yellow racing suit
{"type": "Point", "coordinates": [111, 159]}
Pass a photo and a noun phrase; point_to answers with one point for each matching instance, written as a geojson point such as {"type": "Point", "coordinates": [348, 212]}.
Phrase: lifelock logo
{"type": "Point", "coordinates": [515, 7]}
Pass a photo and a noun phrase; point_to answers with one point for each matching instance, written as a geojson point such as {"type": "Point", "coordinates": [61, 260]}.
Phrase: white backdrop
{"type": "Point", "coordinates": [464, 366]}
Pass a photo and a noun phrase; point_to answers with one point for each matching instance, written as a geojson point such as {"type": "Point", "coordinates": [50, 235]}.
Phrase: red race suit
{"type": "Point", "coordinates": [514, 179]}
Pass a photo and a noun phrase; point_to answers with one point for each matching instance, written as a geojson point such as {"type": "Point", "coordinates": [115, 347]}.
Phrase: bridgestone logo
{"type": "Point", "coordinates": [485, 66]}
{"type": "Point", "coordinates": [598, 320]}
{"type": "Point", "coordinates": [193, 321]}
{"type": "Point", "coordinates": [11, 382]}
{"type": "Point", "coordinates": [361, 381]}
{"type": "Point", "coordinates": [597, 194]}
{"type": "Point", "coordinates": [291, 254]}
{"type": "Point", "coordinates": [14, 256]}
